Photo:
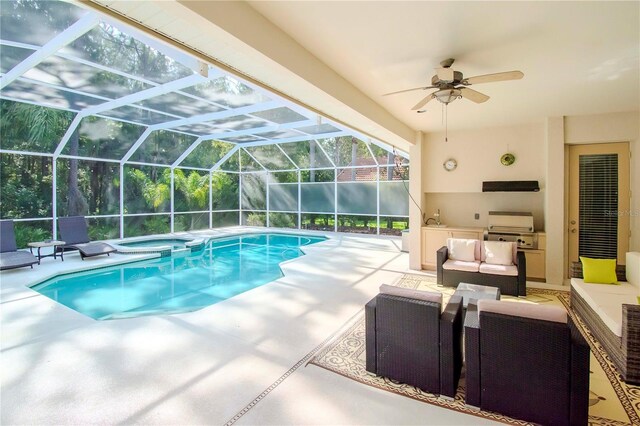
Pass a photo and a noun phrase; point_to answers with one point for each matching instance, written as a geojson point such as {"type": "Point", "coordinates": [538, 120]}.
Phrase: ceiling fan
{"type": "Point", "coordinates": [452, 85]}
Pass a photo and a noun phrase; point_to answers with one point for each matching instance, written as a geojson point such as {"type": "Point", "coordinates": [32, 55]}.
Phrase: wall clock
{"type": "Point", "coordinates": [450, 165]}
{"type": "Point", "coordinates": [508, 159]}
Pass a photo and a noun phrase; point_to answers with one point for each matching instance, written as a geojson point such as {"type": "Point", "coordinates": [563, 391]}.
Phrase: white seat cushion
{"type": "Point", "coordinates": [510, 270]}
{"type": "Point", "coordinates": [459, 265]}
{"type": "Point", "coordinates": [606, 300]}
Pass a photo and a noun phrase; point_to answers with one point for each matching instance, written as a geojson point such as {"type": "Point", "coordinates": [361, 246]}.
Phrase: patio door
{"type": "Point", "coordinates": [599, 201]}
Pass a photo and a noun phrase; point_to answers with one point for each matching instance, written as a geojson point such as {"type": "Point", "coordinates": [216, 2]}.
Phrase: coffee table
{"type": "Point", "coordinates": [476, 292]}
{"type": "Point", "coordinates": [52, 243]}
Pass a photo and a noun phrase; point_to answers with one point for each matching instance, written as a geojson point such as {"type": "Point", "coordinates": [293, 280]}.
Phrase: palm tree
{"type": "Point", "coordinates": [194, 188]}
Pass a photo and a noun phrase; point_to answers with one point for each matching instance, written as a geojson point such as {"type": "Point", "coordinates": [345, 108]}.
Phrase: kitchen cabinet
{"type": "Point", "coordinates": [434, 238]}
{"type": "Point", "coordinates": [537, 259]}
{"type": "Point", "coordinates": [536, 263]}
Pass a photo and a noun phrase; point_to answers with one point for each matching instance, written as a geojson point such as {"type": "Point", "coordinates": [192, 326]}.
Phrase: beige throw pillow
{"type": "Point", "coordinates": [498, 252]}
{"type": "Point", "coordinates": [462, 249]}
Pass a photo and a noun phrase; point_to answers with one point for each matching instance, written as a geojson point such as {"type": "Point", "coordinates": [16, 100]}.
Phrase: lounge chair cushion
{"type": "Point", "coordinates": [16, 259]}
{"type": "Point", "coordinates": [459, 265]}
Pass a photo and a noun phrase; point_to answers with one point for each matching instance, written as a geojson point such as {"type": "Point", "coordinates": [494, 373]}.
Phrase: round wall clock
{"type": "Point", "coordinates": [508, 159]}
{"type": "Point", "coordinates": [450, 164]}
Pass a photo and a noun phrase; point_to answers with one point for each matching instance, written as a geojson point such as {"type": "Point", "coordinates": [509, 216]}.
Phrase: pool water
{"type": "Point", "coordinates": [224, 268]}
{"type": "Point", "coordinates": [176, 244]}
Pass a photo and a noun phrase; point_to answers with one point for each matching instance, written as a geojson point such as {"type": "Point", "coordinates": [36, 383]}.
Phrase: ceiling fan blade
{"type": "Point", "coordinates": [445, 74]}
{"type": "Point", "coordinates": [472, 95]}
{"type": "Point", "coordinates": [409, 90]}
{"type": "Point", "coordinates": [423, 102]}
{"type": "Point", "coordinates": [490, 78]}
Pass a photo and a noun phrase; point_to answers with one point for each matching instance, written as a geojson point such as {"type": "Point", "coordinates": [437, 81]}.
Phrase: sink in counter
{"type": "Point", "coordinates": [437, 226]}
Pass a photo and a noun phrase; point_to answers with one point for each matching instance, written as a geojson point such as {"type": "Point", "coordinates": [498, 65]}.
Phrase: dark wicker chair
{"type": "Point", "coordinates": [508, 285]}
{"type": "Point", "coordinates": [530, 369]}
{"type": "Point", "coordinates": [413, 342]}
{"type": "Point", "coordinates": [74, 232]}
{"type": "Point", "coordinates": [10, 257]}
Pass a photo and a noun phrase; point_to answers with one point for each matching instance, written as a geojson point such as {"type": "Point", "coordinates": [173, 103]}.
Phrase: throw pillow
{"type": "Point", "coordinates": [599, 271]}
{"type": "Point", "coordinates": [462, 249]}
{"type": "Point", "coordinates": [498, 252]}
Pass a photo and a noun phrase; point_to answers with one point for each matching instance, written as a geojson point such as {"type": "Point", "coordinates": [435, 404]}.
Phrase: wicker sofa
{"type": "Point", "coordinates": [612, 314]}
{"type": "Point", "coordinates": [449, 274]}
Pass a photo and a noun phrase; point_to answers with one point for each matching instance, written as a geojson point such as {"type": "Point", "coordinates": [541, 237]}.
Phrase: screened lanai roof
{"type": "Point", "coordinates": [174, 109]}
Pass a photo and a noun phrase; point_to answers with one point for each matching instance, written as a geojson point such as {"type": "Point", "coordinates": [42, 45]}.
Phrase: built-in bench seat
{"type": "Point", "coordinates": [612, 314]}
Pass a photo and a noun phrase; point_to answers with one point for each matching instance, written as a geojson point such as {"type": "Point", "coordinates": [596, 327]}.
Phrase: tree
{"type": "Point", "coordinates": [194, 189]}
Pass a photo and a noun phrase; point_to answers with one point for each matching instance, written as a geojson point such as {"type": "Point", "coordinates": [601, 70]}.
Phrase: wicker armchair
{"type": "Point", "coordinates": [531, 369]}
{"type": "Point", "coordinates": [413, 342]}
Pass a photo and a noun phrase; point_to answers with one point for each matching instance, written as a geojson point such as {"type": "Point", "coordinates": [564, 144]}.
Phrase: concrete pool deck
{"type": "Point", "coordinates": [204, 367]}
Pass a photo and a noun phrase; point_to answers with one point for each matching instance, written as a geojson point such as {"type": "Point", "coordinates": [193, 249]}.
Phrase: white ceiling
{"type": "Point", "coordinates": [578, 57]}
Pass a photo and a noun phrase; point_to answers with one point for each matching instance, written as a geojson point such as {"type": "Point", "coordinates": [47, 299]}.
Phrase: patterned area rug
{"type": "Point", "coordinates": [612, 402]}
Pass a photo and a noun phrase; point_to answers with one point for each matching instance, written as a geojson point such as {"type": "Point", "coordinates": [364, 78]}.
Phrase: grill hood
{"type": "Point", "coordinates": [510, 186]}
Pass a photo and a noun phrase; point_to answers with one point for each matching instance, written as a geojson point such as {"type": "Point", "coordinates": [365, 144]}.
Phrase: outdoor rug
{"type": "Point", "coordinates": [611, 401]}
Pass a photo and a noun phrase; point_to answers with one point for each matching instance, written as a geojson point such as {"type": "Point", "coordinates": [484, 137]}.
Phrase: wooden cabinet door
{"type": "Point", "coordinates": [432, 241]}
{"type": "Point", "coordinates": [535, 264]}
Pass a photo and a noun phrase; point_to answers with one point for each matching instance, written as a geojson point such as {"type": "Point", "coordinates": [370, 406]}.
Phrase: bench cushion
{"type": "Point", "coordinates": [509, 270]}
{"type": "Point", "coordinates": [459, 265]}
{"type": "Point", "coordinates": [607, 300]}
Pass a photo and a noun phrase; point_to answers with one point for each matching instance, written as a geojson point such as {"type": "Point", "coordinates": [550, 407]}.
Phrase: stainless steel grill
{"type": "Point", "coordinates": [512, 226]}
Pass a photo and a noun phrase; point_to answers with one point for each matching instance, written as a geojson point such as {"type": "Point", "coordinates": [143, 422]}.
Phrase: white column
{"type": "Point", "coordinates": [415, 215]}
{"type": "Point", "coordinates": [554, 212]}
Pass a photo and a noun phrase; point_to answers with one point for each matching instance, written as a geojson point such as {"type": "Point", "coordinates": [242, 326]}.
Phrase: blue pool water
{"type": "Point", "coordinates": [176, 244]}
{"type": "Point", "coordinates": [224, 268]}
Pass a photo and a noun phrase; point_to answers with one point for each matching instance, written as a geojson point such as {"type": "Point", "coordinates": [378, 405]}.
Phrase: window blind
{"type": "Point", "coordinates": [598, 206]}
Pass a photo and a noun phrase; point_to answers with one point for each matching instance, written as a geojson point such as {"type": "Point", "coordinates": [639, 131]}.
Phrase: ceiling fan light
{"type": "Point", "coordinates": [447, 95]}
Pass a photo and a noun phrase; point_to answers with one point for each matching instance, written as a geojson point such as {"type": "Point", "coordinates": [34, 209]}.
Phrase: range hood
{"type": "Point", "coordinates": [510, 186]}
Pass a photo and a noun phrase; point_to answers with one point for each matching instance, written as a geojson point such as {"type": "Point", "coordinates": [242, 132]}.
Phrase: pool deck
{"type": "Point", "coordinates": [204, 367]}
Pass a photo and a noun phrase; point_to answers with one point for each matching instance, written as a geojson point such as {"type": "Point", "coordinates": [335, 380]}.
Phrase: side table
{"type": "Point", "coordinates": [40, 244]}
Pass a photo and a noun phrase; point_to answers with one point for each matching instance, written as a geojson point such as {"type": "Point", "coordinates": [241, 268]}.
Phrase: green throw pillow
{"type": "Point", "coordinates": [599, 271]}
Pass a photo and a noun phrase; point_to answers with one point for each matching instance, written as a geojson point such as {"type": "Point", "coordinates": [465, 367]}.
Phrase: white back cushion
{"type": "Point", "coordinates": [633, 268]}
{"type": "Point", "coordinates": [429, 296]}
{"type": "Point", "coordinates": [526, 310]}
{"type": "Point", "coordinates": [462, 249]}
{"type": "Point", "coordinates": [499, 252]}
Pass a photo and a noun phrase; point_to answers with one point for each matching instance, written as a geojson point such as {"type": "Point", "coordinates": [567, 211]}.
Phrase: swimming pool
{"type": "Point", "coordinates": [224, 268]}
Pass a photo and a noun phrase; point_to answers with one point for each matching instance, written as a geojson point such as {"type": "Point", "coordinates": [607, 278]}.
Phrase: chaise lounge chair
{"type": "Point", "coordinates": [73, 230]}
{"type": "Point", "coordinates": [10, 257]}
